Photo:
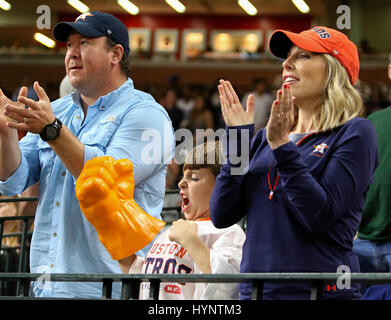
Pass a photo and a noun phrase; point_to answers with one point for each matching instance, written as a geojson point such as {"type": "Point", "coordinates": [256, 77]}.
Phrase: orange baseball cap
{"type": "Point", "coordinates": [322, 40]}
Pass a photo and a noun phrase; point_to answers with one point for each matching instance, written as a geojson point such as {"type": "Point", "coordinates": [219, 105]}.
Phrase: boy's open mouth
{"type": "Point", "coordinates": [185, 202]}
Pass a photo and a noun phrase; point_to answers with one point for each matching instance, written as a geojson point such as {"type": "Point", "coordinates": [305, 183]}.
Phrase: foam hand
{"type": "Point", "coordinates": [105, 190]}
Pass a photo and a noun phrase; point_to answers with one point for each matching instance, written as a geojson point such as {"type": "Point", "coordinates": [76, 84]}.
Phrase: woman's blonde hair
{"type": "Point", "coordinates": [341, 102]}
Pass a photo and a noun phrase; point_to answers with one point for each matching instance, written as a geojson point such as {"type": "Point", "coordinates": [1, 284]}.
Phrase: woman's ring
{"type": "Point", "coordinates": [278, 115]}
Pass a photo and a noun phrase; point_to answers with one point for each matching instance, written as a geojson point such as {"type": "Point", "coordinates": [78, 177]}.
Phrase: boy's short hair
{"type": "Point", "coordinates": [205, 156]}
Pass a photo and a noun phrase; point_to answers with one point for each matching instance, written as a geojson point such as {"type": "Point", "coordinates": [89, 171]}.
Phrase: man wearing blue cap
{"type": "Point", "coordinates": [104, 116]}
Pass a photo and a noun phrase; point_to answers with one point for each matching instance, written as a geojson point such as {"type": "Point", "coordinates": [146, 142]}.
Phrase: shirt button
{"type": "Point", "coordinates": [57, 204]}
{"type": "Point", "coordinates": [55, 234]}
{"type": "Point", "coordinates": [78, 117]}
{"type": "Point", "coordinates": [63, 173]}
{"type": "Point", "coordinates": [51, 265]}
{"type": "Point", "coordinates": [102, 107]}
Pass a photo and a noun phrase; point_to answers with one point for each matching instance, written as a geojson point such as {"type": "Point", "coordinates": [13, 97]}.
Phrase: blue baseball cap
{"type": "Point", "coordinates": [95, 24]}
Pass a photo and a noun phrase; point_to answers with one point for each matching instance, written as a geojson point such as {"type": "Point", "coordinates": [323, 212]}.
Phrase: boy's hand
{"type": "Point", "coordinates": [183, 232]}
{"type": "Point", "coordinates": [105, 190]}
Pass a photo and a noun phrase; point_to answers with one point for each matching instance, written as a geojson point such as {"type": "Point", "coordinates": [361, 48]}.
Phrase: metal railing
{"type": "Point", "coordinates": [131, 282]}
{"type": "Point", "coordinates": [15, 258]}
{"type": "Point", "coordinates": [17, 271]}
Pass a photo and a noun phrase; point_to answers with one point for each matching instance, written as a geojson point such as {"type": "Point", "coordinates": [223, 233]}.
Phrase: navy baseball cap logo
{"type": "Point", "coordinates": [95, 24]}
{"type": "Point", "coordinates": [84, 16]}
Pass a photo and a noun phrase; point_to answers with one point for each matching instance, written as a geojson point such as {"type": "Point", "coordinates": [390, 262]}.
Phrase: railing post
{"type": "Point", "coordinates": [130, 289]}
{"type": "Point", "coordinates": [316, 290]}
{"type": "Point", "coordinates": [107, 288]}
{"type": "Point", "coordinates": [20, 289]}
{"type": "Point", "coordinates": [154, 289]}
{"type": "Point", "coordinates": [257, 292]}
{"type": "Point", "coordinates": [23, 247]}
{"type": "Point", "coordinates": [23, 287]}
{"type": "Point", "coordinates": [1, 232]}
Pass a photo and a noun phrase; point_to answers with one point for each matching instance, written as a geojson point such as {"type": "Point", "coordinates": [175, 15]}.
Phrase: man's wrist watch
{"type": "Point", "coordinates": [51, 131]}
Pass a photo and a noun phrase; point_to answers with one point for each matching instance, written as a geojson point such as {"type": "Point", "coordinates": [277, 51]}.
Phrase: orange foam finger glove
{"type": "Point", "coordinates": [105, 190]}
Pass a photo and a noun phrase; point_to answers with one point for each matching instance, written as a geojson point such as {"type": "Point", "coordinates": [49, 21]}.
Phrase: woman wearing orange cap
{"type": "Point", "coordinates": [309, 169]}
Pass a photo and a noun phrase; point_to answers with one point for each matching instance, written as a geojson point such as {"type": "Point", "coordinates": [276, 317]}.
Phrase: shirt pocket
{"type": "Point", "coordinates": [100, 135]}
{"type": "Point", "coordinates": [46, 158]}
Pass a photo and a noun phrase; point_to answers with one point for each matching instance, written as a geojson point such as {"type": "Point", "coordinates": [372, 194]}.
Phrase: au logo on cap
{"type": "Point", "coordinates": [84, 16]}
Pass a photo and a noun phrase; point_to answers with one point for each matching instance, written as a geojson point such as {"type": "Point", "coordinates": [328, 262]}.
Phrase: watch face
{"type": "Point", "coordinates": [51, 132]}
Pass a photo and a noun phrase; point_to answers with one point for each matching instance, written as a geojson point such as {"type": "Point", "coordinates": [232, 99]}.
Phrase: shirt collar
{"type": "Point", "coordinates": [104, 102]}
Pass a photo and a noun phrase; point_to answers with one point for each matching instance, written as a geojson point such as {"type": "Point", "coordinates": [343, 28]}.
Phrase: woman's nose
{"type": "Point", "coordinates": [287, 64]}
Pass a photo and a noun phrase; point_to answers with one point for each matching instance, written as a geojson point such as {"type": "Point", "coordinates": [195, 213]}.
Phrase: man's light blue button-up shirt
{"type": "Point", "coordinates": [126, 123]}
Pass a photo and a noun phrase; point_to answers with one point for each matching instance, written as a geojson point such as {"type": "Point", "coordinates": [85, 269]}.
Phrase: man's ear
{"type": "Point", "coordinates": [117, 53]}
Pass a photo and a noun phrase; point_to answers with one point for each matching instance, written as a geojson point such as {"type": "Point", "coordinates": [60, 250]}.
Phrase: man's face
{"type": "Point", "coordinates": [389, 71]}
{"type": "Point", "coordinates": [87, 62]}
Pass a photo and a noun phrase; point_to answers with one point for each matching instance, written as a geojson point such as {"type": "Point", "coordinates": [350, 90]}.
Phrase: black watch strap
{"type": "Point", "coordinates": [51, 131]}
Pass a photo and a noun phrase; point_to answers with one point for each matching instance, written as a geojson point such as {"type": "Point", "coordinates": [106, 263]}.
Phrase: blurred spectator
{"type": "Point", "coordinates": [214, 102]}
{"type": "Point", "coordinates": [214, 96]}
{"type": "Point", "coordinates": [173, 173]}
{"type": "Point", "coordinates": [9, 209]}
{"type": "Point", "coordinates": [26, 81]}
{"type": "Point", "coordinates": [375, 96]}
{"type": "Point", "coordinates": [386, 92]}
{"type": "Point", "coordinates": [174, 84]}
{"type": "Point", "coordinates": [263, 102]}
{"type": "Point", "coordinates": [200, 117]}
{"type": "Point", "coordinates": [276, 84]}
{"type": "Point", "coordinates": [365, 91]}
{"type": "Point", "coordinates": [172, 200]}
{"type": "Point", "coordinates": [378, 99]}
{"type": "Point", "coordinates": [373, 244]}
{"type": "Point", "coordinates": [186, 103]}
{"type": "Point", "coordinates": [52, 90]}
{"type": "Point", "coordinates": [169, 102]}
{"type": "Point", "coordinates": [18, 209]}
{"type": "Point", "coordinates": [65, 87]}
{"type": "Point", "coordinates": [366, 48]}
